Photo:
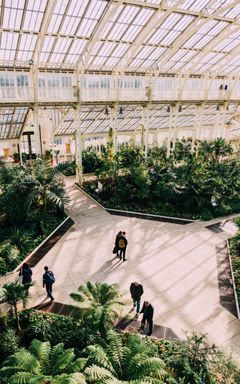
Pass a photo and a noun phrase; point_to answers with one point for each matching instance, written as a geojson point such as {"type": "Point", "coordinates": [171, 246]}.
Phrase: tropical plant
{"type": "Point", "coordinates": [99, 304]}
{"type": "Point", "coordinates": [9, 257]}
{"type": "Point", "coordinates": [67, 168]}
{"type": "Point", "coordinates": [56, 329]}
{"type": "Point", "coordinates": [20, 238]}
{"type": "Point", "coordinates": [42, 363]}
{"type": "Point", "coordinates": [125, 359]}
{"type": "Point", "coordinates": [12, 294]}
{"type": "Point", "coordinates": [192, 360]}
{"type": "Point", "coordinates": [91, 161]}
{"type": "Point", "coordinates": [9, 343]}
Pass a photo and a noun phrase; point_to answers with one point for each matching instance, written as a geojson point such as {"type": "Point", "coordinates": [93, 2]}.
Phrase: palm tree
{"type": "Point", "coordinates": [48, 188]}
{"type": "Point", "coordinates": [12, 294]}
{"type": "Point", "coordinates": [124, 359]}
{"type": "Point", "coordinates": [99, 304]}
{"type": "Point", "coordinates": [43, 364]}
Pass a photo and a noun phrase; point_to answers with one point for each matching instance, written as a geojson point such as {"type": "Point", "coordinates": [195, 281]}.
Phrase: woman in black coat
{"type": "Point", "coordinates": [26, 274]}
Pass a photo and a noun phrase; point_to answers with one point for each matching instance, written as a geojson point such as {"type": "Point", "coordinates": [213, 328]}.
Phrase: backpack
{"type": "Point", "coordinates": [121, 243]}
{"type": "Point", "coordinates": [50, 277]}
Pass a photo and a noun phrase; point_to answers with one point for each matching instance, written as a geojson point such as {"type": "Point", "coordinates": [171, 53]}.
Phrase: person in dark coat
{"type": "Point", "coordinates": [136, 291]}
{"type": "Point", "coordinates": [48, 280]}
{"type": "Point", "coordinates": [116, 242]}
{"type": "Point", "coordinates": [122, 246]}
{"type": "Point", "coordinates": [26, 274]}
{"type": "Point", "coordinates": [147, 311]}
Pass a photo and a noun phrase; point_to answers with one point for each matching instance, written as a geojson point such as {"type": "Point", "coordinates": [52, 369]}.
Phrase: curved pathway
{"type": "Point", "coordinates": [176, 265]}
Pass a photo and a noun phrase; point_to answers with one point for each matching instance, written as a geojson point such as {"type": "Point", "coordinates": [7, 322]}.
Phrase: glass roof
{"type": "Point", "coordinates": [124, 35]}
{"type": "Point", "coordinates": [11, 122]}
{"type": "Point", "coordinates": [95, 120]}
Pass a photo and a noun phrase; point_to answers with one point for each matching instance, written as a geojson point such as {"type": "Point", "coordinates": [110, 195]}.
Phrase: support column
{"type": "Point", "coordinates": [213, 130]}
{"type": "Point", "coordinates": [145, 120]}
{"type": "Point", "coordinates": [172, 129]}
{"type": "Point", "coordinates": [37, 131]}
{"type": "Point", "coordinates": [223, 125]}
{"type": "Point", "coordinates": [194, 135]}
{"type": "Point", "coordinates": [174, 138]}
{"type": "Point", "coordinates": [78, 146]}
{"type": "Point", "coordinates": [169, 139]}
{"type": "Point", "coordinates": [199, 123]}
{"type": "Point", "coordinates": [113, 125]}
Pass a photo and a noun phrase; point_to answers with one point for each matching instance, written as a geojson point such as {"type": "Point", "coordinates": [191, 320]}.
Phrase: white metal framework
{"type": "Point", "coordinates": [108, 53]}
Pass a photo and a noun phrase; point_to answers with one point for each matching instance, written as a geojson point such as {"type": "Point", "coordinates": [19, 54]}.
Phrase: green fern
{"type": "Point", "coordinates": [117, 360]}
{"type": "Point", "coordinates": [43, 364]}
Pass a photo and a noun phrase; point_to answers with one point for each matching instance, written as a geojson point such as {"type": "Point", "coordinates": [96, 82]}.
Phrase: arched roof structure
{"type": "Point", "coordinates": [181, 39]}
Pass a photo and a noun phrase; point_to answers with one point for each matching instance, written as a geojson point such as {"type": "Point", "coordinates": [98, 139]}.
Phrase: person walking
{"type": "Point", "coordinates": [48, 280]}
{"type": "Point", "coordinates": [116, 243]}
{"type": "Point", "coordinates": [136, 291]}
{"type": "Point", "coordinates": [26, 274]}
{"type": "Point", "coordinates": [122, 246]}
{"type": "Point", "coordinates": [147, 311]}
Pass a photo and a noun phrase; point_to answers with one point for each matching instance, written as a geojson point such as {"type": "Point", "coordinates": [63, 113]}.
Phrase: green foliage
{"type": "Point", "coordinates": [194, 361]}
{"type": "Point", "coordinates": [32, 202]}
{"type": "Point", "coordinates": [67, 168]}
{"type": "Point", "coordinates": [191, 183]}
{"type": "Point", "coordinates": [12, 294]}
{"type": "Point", "coordinates": [42, 363]}
{"type": "Point", "coordinates": [9, 257]}
{"type": "Point", "coordinates": [127, 359]}
{"type": "Point", "coordinates": [56, 329]}
{"type": "Point", "coordinates": [191, 361]}
{"type": "Point", "coordinates": [99, 304]}
{"type": "Point", "coordinates": [91, 161]}
{"type": "Point", "coordinates": [9, 343]}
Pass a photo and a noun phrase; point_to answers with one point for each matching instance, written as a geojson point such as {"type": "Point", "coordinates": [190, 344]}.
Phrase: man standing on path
{"type": "Point", "coordinates": [122, 245]}
{"type": "Point", "coordinates": [48, 280]}
{"type": "Point", "coordinates": [147, 311]}
{"type": "Point", "coordinates": [136, 291]}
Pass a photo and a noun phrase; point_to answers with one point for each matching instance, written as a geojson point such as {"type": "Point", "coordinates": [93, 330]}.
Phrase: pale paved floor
{"type": "Point", "coordinates": [176, 265]}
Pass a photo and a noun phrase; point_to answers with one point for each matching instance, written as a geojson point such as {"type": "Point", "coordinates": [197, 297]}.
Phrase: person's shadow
{"type": "Point", "coordinates": [104, 270]}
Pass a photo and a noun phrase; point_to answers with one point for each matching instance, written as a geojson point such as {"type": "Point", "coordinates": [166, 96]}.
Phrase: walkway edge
{"type": "Point", "coordinates": [233, 280]}
{"type": "Point", "coordinates": [139, 215]}
{"type": "Point", "coordinates": [41, 244]}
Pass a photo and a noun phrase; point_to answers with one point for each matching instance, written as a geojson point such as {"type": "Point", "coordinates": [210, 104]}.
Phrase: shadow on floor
{"type": "Point", "coordinates": [159, 331]}
{"type": "Point", "coordinates": [225, 283]}
{"type": "Point", "coordinates": [49, 243]}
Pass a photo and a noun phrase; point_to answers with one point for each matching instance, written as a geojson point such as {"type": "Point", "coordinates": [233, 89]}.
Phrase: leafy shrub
{"type": "Point", "coordinates": [9, 343]}
{"type": "Point", "coordinates": [91, 161]}
{"type": "Point", "coordinates": [56, 329]}
{"type": "Point", "coordinates": [67, 168]}
{"type": "Point", "coordinates": [10, 255]}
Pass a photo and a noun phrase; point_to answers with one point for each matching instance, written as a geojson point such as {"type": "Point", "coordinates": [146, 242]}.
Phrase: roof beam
{"type": "Point", "coordinates": [196, 25]}
{"type": "Point", "coordinates": [109, 11]}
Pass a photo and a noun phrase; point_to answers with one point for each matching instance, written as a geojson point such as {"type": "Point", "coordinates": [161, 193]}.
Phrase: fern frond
{"type": "Point", "coordinates": [41, 351]}
{"type": "Point", "coordinates": [98, 373]}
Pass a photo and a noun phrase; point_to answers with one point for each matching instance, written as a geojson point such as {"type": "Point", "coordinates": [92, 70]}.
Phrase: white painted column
{"type": "Point", "coordinates": [115, 138]}
{"type": "Point", "coordinates": [196, 122]}
{"type": "Point", "coordinates": [216, 124]}
{"type": "Point", "coordinates": [170, 130]}
{"type": "Point", "coordinates": [223, 125]}
{"type": "Point", "coordinates": [37, 130]}
{"type": "Point", "coordinates": [145, 123]}
{"type": "Point", "coordinates": [78, 146]}
{"type": "Point", "coordinates": [174, 134]}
